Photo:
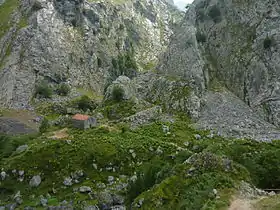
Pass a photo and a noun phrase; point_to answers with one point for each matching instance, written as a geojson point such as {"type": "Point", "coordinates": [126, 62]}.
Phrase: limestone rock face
{"type": "Point", "coordinates": [171, 92]}
{"type": "Point", "coordinates": [242, 46]}
{"type": "Point", "coordinates": [234, 44]}
{"type": "Point", "coordinates": [78, 42]}
{"type": "Point", "coordinates": [183, 57]}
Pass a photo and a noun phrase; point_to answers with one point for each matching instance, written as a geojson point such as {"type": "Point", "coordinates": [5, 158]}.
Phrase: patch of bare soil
{"type": "Point", "coordinates": [244, 204]}
{"type": "Point", "coordinates": [61, 134]}
{"type": "Point", "coordinates": [241, 204]}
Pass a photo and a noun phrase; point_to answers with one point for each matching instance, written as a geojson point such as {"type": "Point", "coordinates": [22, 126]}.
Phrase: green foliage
{"type": "Point", "coordinates": [125, 64]}
{"type": "Point", "coordinates": [260, 159]}
{"type": "Point", "coordinates": [85, 103]}
{"type": "Point", "coordinates": [63, 89]}
{"type": "Point", "coordinates": [200, 9]}
{"type": "Point", "coordinates": [200, 37]}
{"type": "Point", "coordinates": [8, 144]}
{"type": "Point", "coordinates": [124, 127]}
{"type": "Point", "coordinates": [47, 108]}
{"type": "Point", "coordinates": [149, 66]}
{"type": "Point", "coordinates": [44, 126]}
{"type": "Point", "coordinates": [267, 43]}
{"type": "Point", "coordinates": [6, 10]}
{"type": "Point", "coordinates": [119, 110]}
{"type": "Point", "coordinates": [147, 178]}
{"type": "Point", "coordinates": [115, 63]}
{"type": "Point", "coordinates": [43, 90]}
{"type": "Point", "coordinates": [117, 93]}
{"type": "Point", "coordinates": [215, 13]}
{"type": "Point", "coordinates": [165, 179]}
{"type": "Point", "coordinates": [99, 62]}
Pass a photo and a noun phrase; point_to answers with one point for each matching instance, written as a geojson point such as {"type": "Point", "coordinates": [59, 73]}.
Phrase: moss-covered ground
{"type": "Point", "coordinates": [175, 170]}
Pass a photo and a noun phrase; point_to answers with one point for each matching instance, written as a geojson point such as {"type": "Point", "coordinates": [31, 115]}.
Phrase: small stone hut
{"type": "Point", "coordinates": [83, 121]}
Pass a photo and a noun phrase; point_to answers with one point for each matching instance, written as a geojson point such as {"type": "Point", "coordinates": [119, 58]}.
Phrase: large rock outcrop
{"type": "Point", "coordinates": [242, 45]}
{"type": "Point", "coordinates": [230, 46]}
{"type": "Point", "coordinates": [84, 43]}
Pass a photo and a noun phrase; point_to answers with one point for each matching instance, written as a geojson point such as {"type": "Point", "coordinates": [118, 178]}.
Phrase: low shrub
{"type": "Point", "coordinates": [117, 93]}
{"type": "Point", "coordinates": [122, 109]}
{"type": "Point", "coordinates": [44, 126]}
{"type": "Point", "coordinates": [147, 178]}
{"type": "Point", "coordinates": [8, 144]}
{"type": "Point", "coordinates": [63, 89]}
{"type": "Point", "coordinates": [200, 37]}
{"type": "Point", "coordinates": [43, 90]}
{"type": "Point", "coordinates": [85, 103]}
{"type": "Point", "coordinates": [267, 43]}
{"type": "Point", "coordinates": [215, 13]}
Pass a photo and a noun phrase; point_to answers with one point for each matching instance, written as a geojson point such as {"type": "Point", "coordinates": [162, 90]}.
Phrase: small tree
{"type": "Point", "coordinates": [43, 90]}
{"type": "Point", "coordinates": [215, 13]}
{"type": "Point", "coordinates": [44, 125]}
{"type": "Point", "coordinates": [63, 89]}
{"type": "Point", "coordinates": [200, 37]}
{"type": "Point", "coordinates": [267, 43]}
{"type": "Point", "coordinates": [117, 93]}
{"type": "Point", "coordinates": [99, 62]}
{"type": "Point", "coordinates": [84, 103]}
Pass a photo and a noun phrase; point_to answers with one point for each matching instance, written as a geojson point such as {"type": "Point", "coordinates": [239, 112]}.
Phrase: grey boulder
{"type": "Point", "coordinates": [35, 181]}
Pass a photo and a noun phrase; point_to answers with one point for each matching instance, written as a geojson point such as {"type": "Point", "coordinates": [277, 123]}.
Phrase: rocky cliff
{"type": "Point", "coordinates": [83, 43]}
{"type": "Point", "coordinates": [242, 46]}
{"type": "Point", "coordinates": [230, 46]}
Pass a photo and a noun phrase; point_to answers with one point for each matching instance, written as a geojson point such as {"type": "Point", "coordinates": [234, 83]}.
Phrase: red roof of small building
{"type": "Point", "coordinates": [80, 117]}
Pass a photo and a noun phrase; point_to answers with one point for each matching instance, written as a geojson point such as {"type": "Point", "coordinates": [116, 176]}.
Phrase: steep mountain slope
{"type": "Point", "coordinates": [230, 46]}
{"type": "Point", "coordinates": [83, 43]}
{"type": "Point", "coordinates": [242, 45]}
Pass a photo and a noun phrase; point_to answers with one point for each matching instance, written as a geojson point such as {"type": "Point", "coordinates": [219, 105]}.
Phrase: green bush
{"type": "Point", "coordinates": [125, 64]}
{"type": "Point", "coordinates": [124, 127]}
{"type": "Point", "coordinates": [261, 160]}
{"type": "Point", "coordinates": [215, 13]}
{"type": "Point", "coordinates": [85, 103]}
{"type": "Point", "coordinates": [200, 37]}
{"type": "Point", "coordinates": [99, 62]}
{"type": "Point", "coordinates": [43, 90]}
{"type": "Point", "coordinates": [147, 178]}
{"type": "Point", "coordinates": [8, 144]}
{"type": "Point", "coordinates": [267, 43]}
{"type": "Point", "coordinates": [115, 111]}
{"type": "Point", "coordinates": [44, 126]}
{"type": "Point", "coordinates": [63, 89]}
{"type": "Point", "coordinates": [115, 63]}
{"type": "Point", "coordinates": [117, 93]}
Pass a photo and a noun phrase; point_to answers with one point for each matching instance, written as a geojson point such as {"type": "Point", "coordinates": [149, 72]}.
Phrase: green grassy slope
{"type": "Point", "coordinates": [165, 179]}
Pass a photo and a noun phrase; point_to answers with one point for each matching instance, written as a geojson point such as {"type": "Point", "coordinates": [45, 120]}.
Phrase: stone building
{"type": "Point", "coordinates": [83, 121]}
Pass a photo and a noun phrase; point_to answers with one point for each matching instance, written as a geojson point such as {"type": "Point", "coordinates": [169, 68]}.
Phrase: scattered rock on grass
{"type": "Point", "coordinates": [21, 148]}
{"type": "Point", "coordinates": [67, 181]}
{"type": "Point", "coordinates": [35, 181]}
{"type": "Point", "coordinates": [3, 175]}
{"type": "Point", "coordinates": [84, 189]}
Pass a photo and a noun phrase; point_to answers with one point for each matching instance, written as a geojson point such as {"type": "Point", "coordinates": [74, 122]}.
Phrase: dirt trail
{"type": "Point", "coordinates": [242, 204]}
{"type": "Point", "coordinates": [245, 204]}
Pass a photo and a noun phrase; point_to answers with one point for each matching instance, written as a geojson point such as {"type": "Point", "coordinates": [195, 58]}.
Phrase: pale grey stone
{"type": "Point", "coordinates": [35, 181]}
